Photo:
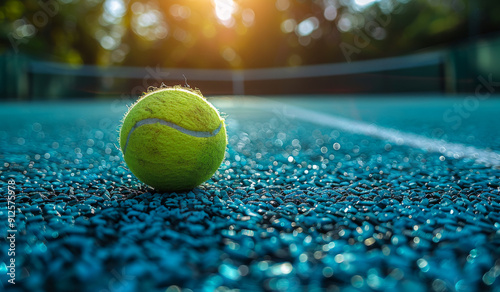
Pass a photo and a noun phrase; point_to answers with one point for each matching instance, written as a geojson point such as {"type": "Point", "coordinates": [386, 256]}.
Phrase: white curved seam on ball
{"type": "Point", "coordinates": [198, 134]}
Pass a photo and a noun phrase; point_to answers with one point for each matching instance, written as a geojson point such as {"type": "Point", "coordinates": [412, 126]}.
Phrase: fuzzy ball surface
{"type": "Point", "coordinates": [173, 139]}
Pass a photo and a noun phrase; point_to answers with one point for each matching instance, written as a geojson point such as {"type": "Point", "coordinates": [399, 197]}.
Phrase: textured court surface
{"type": "Point", "coordinates": [295, 206]}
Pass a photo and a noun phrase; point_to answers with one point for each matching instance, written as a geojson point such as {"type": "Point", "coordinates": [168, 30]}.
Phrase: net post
{"type": "Point", "coordinates": [238, 79]}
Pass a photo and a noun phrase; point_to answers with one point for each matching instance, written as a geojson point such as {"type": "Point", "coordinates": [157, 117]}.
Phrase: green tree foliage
{"type": "Point", "coordinates": [236, 33]}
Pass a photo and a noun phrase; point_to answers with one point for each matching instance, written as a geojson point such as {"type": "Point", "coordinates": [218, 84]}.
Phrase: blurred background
{"type": "Point", "coordinates": [56, 49]}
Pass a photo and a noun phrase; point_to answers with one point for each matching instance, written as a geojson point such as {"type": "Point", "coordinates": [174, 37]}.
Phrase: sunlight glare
{"type": "Point", "coordinates": [364, 2]}
{"type": "Point", "coordinates": [224, 10]}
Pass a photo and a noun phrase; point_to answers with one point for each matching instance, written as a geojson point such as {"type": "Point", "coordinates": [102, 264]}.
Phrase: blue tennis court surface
{"type": "Point", "coordinates": [391, 193]}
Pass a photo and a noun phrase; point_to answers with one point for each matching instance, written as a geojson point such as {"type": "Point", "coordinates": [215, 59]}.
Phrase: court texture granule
{"type": "Point", "coordinates": [294, 207]}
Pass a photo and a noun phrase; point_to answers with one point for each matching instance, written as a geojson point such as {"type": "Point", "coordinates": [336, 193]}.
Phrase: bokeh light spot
{"type": "Point", "coordinates": [108, 43]}
{"type": "Point", "coordinates": [180, 12]}
{"type": "Point", "coordinates": [148, 22]}
{"type": "Point", "coordinates": [282, 5]}
{"type": "Point", "coordinates": [344, 24]}
{"type": "Point", "coordinates": [364, 2]}
{"type": "Point", "coordinates": [330, 13]}
{"type": "Point", "coordinates": [288, 25]}
{"type": "Point", "coordinates": [248, 16]}
{"type": "Point", "coordinates": [307, 26]}
{"type": "Point", "coordinates": [115, 7]}
{"type": "Point", "coordinates": [229, 54]}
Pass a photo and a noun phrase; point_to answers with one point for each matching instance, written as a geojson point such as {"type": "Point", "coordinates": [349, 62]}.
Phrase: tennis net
{"type": "Point", "coordinates": [33, 79]}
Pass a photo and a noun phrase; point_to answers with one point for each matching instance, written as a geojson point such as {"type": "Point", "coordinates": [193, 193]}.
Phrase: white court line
{"type": "Point", "coordinates": [453, 150]}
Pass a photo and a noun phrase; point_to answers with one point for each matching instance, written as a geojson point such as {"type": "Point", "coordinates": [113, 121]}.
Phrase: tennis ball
{"type": "Point", "coordinates": [173, 139]}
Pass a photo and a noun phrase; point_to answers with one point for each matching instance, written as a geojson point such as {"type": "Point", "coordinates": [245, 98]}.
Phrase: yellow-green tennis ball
{"type": "Point", "coordinates": [173, 139]}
